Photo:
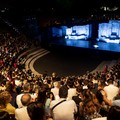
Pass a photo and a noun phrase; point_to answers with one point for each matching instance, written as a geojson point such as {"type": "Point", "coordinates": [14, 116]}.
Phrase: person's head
{"type": "Point", "coordinates": [70, 82]}
{"type": "Point", "coordinates": [26, 87]}
{"type": "Point", "coordinates": [114, 113]}
{"type": "Point", "coordinates": [2, 102]}
{"type": "Point", "coordinates": [110, 81]}
{"type": "Point", "coordinates": [26, 99]}
{"type": "Point", "coordinates": [63, 92]}
{"type": "Point", "coordinates": [53, 74]}
{"type": "Point", "coordinates": [7, 96]}
{"type": "Point", "coordinates": [50, 95]}
{"type": "Point", "coordinates": [56, 84]}
{"type": "Point", "coordinates": [36, 111]}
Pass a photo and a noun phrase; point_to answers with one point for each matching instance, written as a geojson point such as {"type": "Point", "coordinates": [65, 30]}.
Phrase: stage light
{"type": "Point", "coordinates": [95, 46]}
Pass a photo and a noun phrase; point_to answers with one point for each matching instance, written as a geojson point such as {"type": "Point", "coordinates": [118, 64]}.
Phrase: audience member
{"type": "Point", "coordinates": [55, 89]}
{"type": "Point", "coordinates": [26, 89]}
{"type": "Point", "coordinates": [104, 102]}
{"type": "Point", "coordinates": [111, 90]}
{"type": "Point", "coordinates": [71, 88]}
{"type": "Point", "coordinates": [21, 113]}
{"type": "Point", "coordinates": [66, 109]}
{"type": "Point", "coordinates": [4, 115]}
{"type": "Point", "coordinates": [90, 110]}
{"type": "Point", "coordinates": [36, 111]}
{"type": "Point", "coordinates": [7, 98]}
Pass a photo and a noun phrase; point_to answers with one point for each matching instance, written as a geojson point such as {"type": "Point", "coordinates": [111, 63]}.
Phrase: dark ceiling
{"type": "Point", "coordinates": [16, 9]}
{"type": "Point", "coordinates": [48, 7]}
{"type": "Point", "coordinates": [76, 7]}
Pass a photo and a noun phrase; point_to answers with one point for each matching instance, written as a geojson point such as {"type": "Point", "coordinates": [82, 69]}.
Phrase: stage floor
{"type": "Point", "coordinates": [75, 57]}
{"type": "Point", "coordinates": [88, 44]}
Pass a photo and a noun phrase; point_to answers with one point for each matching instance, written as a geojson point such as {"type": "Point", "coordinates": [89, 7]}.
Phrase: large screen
{"type": "Point", "coordinates": [74, 32]}
{"type": "Point", "coordinates": [109, 32]}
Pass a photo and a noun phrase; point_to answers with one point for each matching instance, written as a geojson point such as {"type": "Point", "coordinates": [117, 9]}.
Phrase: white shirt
{"type": "Point", "coordinates": [71, 93]}
{"type": "Point", "coordinates": [18, 99]}
{"type": "Point", "coordinates": [55, 91]}
{"type": "Point", "coordinates": [111, 91]}
{"type": "Point", "coordinates": [116, 103]}
{"type": "Point", "coordinates": [21, 114]}
{"type": "Point", "coordinates": [102, 118]}
{"type": "Point", "coordinates": [65, 110]}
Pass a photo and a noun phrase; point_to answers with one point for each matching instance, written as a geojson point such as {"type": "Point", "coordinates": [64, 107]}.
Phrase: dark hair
{"type": "Point", "coordinates": [70, 82]}
{"type": "Point", "coordinates": [42, 96]}
{"type": "Point", "coordinates": [63, 92]}
{"type": "Point", "coordinates": [99, 96]}
{"type": "Point", "coordinates": [110, 80]}
{"type": "Point", "coordinates": [86, 101]}
{"type": "Point", "coordinates": [50, 93]}
{"type": "Point", "coordinates": [36, 111]}
{"type": "Point", "coordinates": [114, 113]}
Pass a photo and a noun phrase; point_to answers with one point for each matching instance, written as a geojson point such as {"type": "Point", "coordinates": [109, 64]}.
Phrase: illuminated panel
{"type": "Point", "coordinates": [109, 32]}
{"type": "Point", "coordinates": [78, 32]}
{"type": "Point", "coordinates": [68, 31]}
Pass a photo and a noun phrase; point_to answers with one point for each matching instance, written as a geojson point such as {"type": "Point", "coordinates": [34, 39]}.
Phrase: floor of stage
{"type": "Point", "coordinates": [75, 58]}
{"type": "Point", "coordinates": [88, 44]}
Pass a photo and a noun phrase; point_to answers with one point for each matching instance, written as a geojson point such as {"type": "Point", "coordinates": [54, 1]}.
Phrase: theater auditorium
{"type": "Point", "coordinates": [59, 60]}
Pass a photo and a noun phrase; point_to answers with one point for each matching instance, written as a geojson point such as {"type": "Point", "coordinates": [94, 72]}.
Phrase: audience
{"type": "Point", "coordinates": [19, 86]}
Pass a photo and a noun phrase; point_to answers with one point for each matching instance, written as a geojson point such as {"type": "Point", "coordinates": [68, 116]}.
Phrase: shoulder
{"type": "Point", "coordinates": [70, 102]}
{"type": "Point", "coordinates": [102, 92]}
{"type": "Point", "coordinates": [19, 95]}
{"type": "Point", "coordinates": [10, 106]}
{"type": "Point", "coordinates": [101, 118]}
{"type": "Point", "coordinates": [116, 102]}
{"type": "Point", "coordinates": [53, 102]}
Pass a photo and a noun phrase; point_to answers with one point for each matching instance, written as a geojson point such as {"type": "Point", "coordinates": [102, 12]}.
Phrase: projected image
{"type": "Point", "coordinates": [109, 32]}
{"type": "Point", "coordinates": [74, 32]}
{"type": "Point", "coordinates": [78, 32]}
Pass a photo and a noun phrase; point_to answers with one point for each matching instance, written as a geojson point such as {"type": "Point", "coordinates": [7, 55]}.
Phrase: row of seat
{"type": "Point", "coordinates": [32, 57]}
{"type": "Point", "coordinates": [35, 53]}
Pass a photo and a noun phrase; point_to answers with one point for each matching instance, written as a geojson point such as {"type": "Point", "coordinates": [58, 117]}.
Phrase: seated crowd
{"type": "Point", "coordinates": [25, 96]}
